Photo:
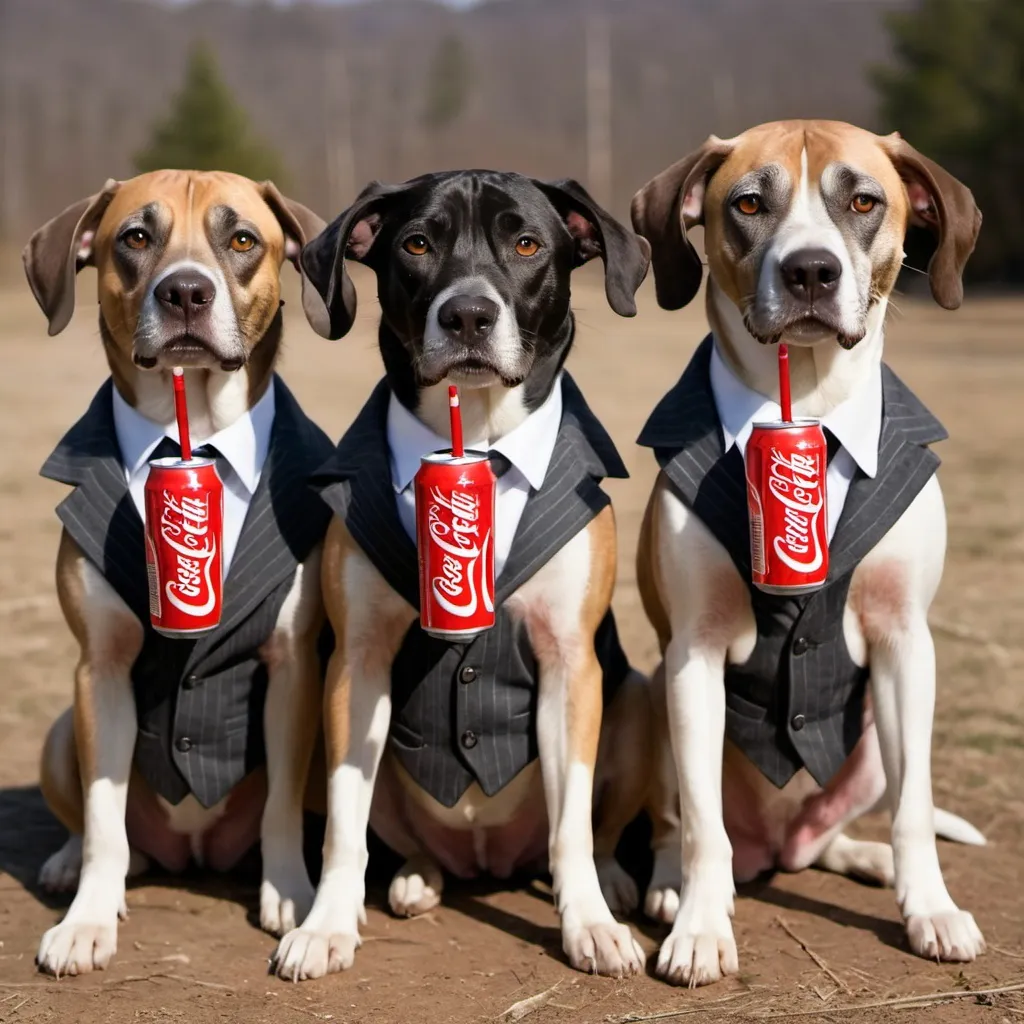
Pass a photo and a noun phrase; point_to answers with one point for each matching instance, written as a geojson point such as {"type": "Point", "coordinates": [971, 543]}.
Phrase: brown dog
{"type": "Point", "coordinates": [161, 755]}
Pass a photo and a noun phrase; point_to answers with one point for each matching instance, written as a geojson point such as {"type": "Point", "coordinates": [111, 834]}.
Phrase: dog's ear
{"type": "Point", "coordinates": [945, 207]}
{"type": "Point", "coordinates": [597, 233]}
{"type": "Point", "coordinates": [331, 307]}
{"type": "Point", "coordinates": [300, 225]}
{"type": "Point", "coordinates": [58, 250]}
{"type": "Point", "coordinates": [665, 209]}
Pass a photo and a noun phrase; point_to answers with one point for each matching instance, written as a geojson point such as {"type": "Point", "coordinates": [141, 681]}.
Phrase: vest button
{"type": "Point", "coordinates": [469, 739]}
{"type": "Point", "coordinates": [190, 682]}
{"type": "Point", "coordinates": [467, 674]}
{"type": "Point", "coordinates": [797, 722]}
{"type": "Point", "coordinates": [801, 645]}
{"type": "Point", "coordinates": [183, 744]}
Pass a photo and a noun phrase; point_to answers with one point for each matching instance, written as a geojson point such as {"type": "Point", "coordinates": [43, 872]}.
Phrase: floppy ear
{"type": "Point", "coordinates": [597, 233]}
{"type": "Point", "coordinates": [665, 209]}
{"type": "Point", "coordinates": [58, 250]}
{"type": "Point", "coordinates": [946, 207]}
{"type": "Point", "coordinates": [300, 225]}
{"type": "Point", "coordinates": [331, 304]}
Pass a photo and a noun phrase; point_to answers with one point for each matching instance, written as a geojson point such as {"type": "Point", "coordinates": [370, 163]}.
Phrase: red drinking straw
{"type": "Point", "coordinates": [785, 399]}
{"type": "Point", "coordinates": [181, 412]}
{"type": "Point", "coordinates": [456, 413]}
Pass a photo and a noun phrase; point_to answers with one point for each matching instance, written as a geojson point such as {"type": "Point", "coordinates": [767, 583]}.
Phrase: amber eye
{"type": "Point", "coordinates": [863, 204]}
{"type": "Point", "coordinates": [749, 204]}
{"type": "Point", "coordinates": [136, 238]}
{"type": "Point", "coordinates": [527, 246]}
{"type": "Point", "coordinates": [416, 245]}
{"type": "Point", "coordinates": [242, 241]}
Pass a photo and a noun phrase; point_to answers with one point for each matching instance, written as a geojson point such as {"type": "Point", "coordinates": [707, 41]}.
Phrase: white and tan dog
{"type": "Point", "coordinates": [161, 755]}
{"type": "Point", "coordinates": [804, 226]}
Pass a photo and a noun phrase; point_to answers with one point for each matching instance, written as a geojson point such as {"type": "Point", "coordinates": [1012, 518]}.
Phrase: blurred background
{"type": "Point", "coordinates": [324, 97]}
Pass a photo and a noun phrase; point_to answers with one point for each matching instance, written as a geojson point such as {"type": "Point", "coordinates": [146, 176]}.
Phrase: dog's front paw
{"type": "Point", "coordinates": [617, 887]}
{"type": "Point", "coordinates": [662, 900]}
{"type": "Point", "coordinates": [603, 948]}
{"type": "Point", "coordinates": [700, 948]}
{"type": "Point", "coordinates": [304, 954]}
{"type": "Point", "coordinates": [661, 903]}
{"type": "Point", "coordinates": [951, 935]}
{"type": "Point", "coordinates": [77, 947]}
{"type": "Point", "coordinates": [61, 871]}
{"type": "Point", "coordinates": [416, 888]}
{"type": "Point", "coordinates": [286, 897]}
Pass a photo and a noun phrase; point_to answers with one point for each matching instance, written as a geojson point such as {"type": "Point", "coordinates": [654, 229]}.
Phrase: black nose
{"type": "Point", "coordinates": [468, 318]}
{"type": "Point", "coordinates": [185, 294]}
{"type": "Point", "coordinates": [811, 274]}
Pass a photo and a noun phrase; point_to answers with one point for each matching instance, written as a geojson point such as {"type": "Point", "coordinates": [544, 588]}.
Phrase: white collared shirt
{"type": "Point", "coordinates": [528, 448]}
{"type": "Point", "coordinates": [242, 449]}
{"type": "Point", "coordinates": [856, 424]}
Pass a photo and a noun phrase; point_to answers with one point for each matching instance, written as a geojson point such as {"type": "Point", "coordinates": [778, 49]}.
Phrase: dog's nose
{"type": "Point", "coordinates": [810, 274]}
{"type": "Point", "coordinates": [185, 294]}
{"type": "Point", "coordinates": [468, 318]}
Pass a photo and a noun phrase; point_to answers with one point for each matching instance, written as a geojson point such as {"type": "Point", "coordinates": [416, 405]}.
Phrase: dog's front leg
{"type": "Point", "coordinates": [369, 621]}
{"type": "Point", "coordinates": [110, 637]}
{"type": "Point", "coordinates": [892, 591]}
{"type": "Point", "coordinates": [566, 601]}
{"type": "Point", "coordinates": [291, 721]}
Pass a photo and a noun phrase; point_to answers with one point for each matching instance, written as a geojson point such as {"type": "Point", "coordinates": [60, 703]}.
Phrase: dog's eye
{"type": "Point", "coordinates": [135, 238]}
{"type": "Point", "coordinates": [416, 245]}
{"type": "Point", "coordinates": [749, 205]}
{"type": "Point", "coordinates": [242, 241]}
{"type": "Point", "coordinates": [863, 204]}
{"type": "Point", "coordinates": [527, 246]}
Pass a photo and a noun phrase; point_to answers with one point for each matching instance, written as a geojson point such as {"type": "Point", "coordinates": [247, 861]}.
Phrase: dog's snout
{"type": "Point", "coordinates": [811, 274]}
{"type": "Point", "coordinates": [185, 294]}
{"type": "Point", "coordinates": [468, 318]}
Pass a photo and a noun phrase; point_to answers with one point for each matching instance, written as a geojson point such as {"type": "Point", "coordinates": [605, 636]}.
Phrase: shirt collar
{"type": "Point", "coordinates": [528, 447]}
{"type": "Point", "coordinates": [244, 443]}
{"type": "Point", "coordinates": [856, 422]}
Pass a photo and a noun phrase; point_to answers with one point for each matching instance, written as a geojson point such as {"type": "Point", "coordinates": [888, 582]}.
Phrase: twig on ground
{"type": "Point", "coordinates": [820, 961]}
{"type": "Point", "coordinates": [957, 631]}
{"type": "Point", "coordinates": [312, 1013]}
{"type": "Point", "coordinates": [911, 1002]}
{"type": "Point", "coordinates": [633, 1018]}
{"type": "Point", "coordinates": [1006, 952]}
{"type": "Point", "coordinates": [521, 1009]}
{"type": "Point", "coordinates": [180, 978]}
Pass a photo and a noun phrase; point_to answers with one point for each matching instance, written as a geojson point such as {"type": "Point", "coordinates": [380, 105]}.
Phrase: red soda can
{"type": "Point", "coordinates": [184, 546]}
{"type": "Point", "coordinates": [786, 463]}
{"type": "Point", "coordinates": [455, 541]}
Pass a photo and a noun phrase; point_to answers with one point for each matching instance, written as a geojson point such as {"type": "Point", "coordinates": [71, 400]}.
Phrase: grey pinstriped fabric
{"type": "Point", "coordinates": [466, 712]}
{"type": "Point", "coordinates": [199, 703]}
{"type": "Point", "coordinates": [798, 700]}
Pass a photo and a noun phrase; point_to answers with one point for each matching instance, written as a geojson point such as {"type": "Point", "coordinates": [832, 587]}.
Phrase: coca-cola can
{"type": "Point", "coordinates": [184, 546]}
{"type": "Point", "coordinates": [455, 541]}
{"type": "Point", "coordinates": [786, 463]}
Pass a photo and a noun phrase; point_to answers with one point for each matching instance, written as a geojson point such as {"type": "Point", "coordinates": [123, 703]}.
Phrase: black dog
{"type": "Point", "coordinates": [491, 745]}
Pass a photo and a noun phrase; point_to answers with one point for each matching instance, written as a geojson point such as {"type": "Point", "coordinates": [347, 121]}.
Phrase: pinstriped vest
{"type": "Point", "coordinates": [797, 702]}
{"type": "Point", "coordinates": [464, 713]}
{"type": "Point", "coordinates": [199, 702]}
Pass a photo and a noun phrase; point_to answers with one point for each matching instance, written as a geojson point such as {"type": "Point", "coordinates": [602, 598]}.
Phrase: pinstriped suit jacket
{"type": "Point", "coordinates": [797, 702]}
{"type": "Point", "coordinates": [466, 712]}
{"type": "Point", "coordinates": [199, 702]}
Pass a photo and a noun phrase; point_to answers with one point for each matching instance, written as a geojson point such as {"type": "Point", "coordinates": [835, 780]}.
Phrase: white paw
{"type": "Point", "coordinates": [662, 904]}
{"type": "Point", "coordinates": [77, 947]}
{"type": "Point", "coordinates": [286, 896]}
{"type": "Point", "coordinates": [617, 887]}
{"type": "Point", "coordinates": [872, 862]}
{"type": "Point", "coordinates": [304, 954]}
{"type": "Point", "coordinates": [607, 949]}
{"type": "Point", "coordinates": [700, 948]}
{"type": "Point", "coordinates": [416, 888]}
{"type": "Point", "coordinates": [951, 935]}
{"type": "Point", "coordinates": [61, 870]}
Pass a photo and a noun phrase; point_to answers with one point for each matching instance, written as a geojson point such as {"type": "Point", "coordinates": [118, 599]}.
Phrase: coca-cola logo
{"type": "Point", "coordinates": [453, 525]}
{"type": "Point", "coordinates": [185, 529]}
{"type": "Point", "coordinates": [795, 481]}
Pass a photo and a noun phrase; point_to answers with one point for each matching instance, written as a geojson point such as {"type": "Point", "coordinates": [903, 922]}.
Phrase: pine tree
{"type": "Point", "coordinates": [956, 93]}
{"type": "Point", "coordinates": [206, 129]}
{"type": "Point", "coordinates": [448, 84]}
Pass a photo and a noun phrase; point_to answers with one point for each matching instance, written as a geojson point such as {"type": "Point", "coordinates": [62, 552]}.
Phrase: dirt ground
{"type": "Point", "coordinates": [191, 952]}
